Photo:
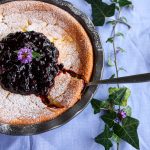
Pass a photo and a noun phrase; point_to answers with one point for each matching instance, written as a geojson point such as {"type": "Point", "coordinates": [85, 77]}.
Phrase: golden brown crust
{"type": "Point", "coordinates": [84, 48]}
{"type": "Point", "coordinates": [26, 120]}
{"type": "Point", "coordinates": [82, 66]}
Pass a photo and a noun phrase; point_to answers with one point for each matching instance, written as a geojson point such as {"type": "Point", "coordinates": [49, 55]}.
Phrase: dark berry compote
{"type": "Point", "coordinates": [28, 63]}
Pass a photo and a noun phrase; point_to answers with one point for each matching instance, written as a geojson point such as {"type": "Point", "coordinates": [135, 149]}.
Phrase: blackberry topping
{"type": "Point", "coordinates": [24, 72]}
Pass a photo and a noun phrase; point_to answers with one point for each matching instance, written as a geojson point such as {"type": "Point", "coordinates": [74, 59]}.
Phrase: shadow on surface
{"type": "Point", "coordinates": [13, 142]}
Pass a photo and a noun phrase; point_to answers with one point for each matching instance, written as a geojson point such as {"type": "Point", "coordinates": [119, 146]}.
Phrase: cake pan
{"type": "Point", "coordinates": [87, 93]}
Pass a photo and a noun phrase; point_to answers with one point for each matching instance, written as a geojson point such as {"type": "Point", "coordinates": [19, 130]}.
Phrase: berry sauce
{"type": "Point", "coordinates": [35, 77]}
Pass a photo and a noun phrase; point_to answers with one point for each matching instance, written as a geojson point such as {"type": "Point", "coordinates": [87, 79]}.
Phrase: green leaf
{"type": "Point", "coordinates": [123, 3]}
{"type": "Point", "coordinates": [103, 138]}
{"type": "Point", "coordinates": [109, 117]}
{"type": "Point", "coordinates": [122, 69]}
{"type": "Point", "coordinates": [124, 19]}
{"type": "Point", "coordinates": [110, 62]}
{"type": "Point", "coordinates": [100, 11]}
{"type": "Point", "coordinates": [110, 40]}
{"type": "Point", "coordinates": [97, 105]}
{"type": "Point", "coordinates": [119, 95]}
{"type": "Point", "coordinates": [115, 138]}
{"type": "Point", "coordinates": [119, 34]}
{"type": "Point", "coordinates": [112, 22]}
{"type": "Point", "coordinates": [128, 131]}
{"type": "Point", "coordinates": [35, 54]}
{"type": "Point", "coordinates": [128, 110]}
{"type": "Point", "coordinates": [120, 49]}
{"type": "Point", "coordinates": [112, 76]}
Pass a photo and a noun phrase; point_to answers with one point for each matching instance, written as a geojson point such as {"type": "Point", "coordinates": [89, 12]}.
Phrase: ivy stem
{"type": "Point", "coordinates": [114, 46]}
{"type": "Point", "coordinates": [115, 53]}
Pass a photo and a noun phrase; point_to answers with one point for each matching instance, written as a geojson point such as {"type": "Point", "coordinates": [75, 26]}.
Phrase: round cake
{"type": "Point", "coordinates": [46, 58]}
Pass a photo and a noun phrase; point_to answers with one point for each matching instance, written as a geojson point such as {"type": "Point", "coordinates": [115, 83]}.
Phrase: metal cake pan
{"type": "Point", "coordinates": [87, 93]}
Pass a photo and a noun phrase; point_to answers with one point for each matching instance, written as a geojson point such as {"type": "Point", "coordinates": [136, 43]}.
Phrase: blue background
{"type": "Point", "coordinates": [79, 133]}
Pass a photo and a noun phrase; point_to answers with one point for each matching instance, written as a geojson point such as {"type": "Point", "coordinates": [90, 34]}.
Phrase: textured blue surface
{"type": "Point", "coordinates": [79, 133]}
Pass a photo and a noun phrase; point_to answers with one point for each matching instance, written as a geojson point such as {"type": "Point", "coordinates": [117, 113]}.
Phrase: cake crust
{"type": "Point", "coordinates": [76, 53]}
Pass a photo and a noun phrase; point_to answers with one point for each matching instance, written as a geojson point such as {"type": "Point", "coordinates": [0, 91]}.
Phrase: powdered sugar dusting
{"type": "Point", "coordinates": [60, 86]}
{"type": "Point", "coordinates": [68, 92]}
{"type": "Point", "coordinates": [12, 19]}
{"type": "Point", "coordinates": [45, 23]}
{"type": "Point", "coordinates": [15, 106]}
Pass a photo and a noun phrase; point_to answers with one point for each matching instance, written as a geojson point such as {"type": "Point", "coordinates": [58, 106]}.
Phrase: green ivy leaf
{"type": "Point", "coordinates": [128, 110]}
{"type": "Point", "coordinates": [123, 3]}
{"type": "Point", "coordinates": [97, 105]}
{"type": "Point", "coordinates": [112, 22]}
{"type": "Point", "coordinates": [109, 117]}
{"type": "Point", "coordinates": [119, 95]}
{"type": "Point", "coordinates": [35, 54]}
{"type": "Point", "coordinates": [110, 40]}
{"type": "Point", "coordinates": [128, 131]}
{"type": "Point", "coordinates": [115, 138]}
{"type": "Point", "coordinates": [122, 69]}
{"type": "Point", "coordinates": [103, 138]}
{"type": "Point", "coordinates": [119, 34]}
{"type": "Point", "coordinates": [112, 76]}
{"type": "Point", "coordinates": [120, 49]}
{"type": "Point", "coordinates": [100, 11]}
{"type": "Point", "coordinates": [124, 19]}
{"type": "Point", "coordinates": [110, 62]}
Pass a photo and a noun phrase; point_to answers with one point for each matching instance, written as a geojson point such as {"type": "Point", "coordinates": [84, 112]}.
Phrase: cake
{"type": "Point", "coordinates": [27, 23]}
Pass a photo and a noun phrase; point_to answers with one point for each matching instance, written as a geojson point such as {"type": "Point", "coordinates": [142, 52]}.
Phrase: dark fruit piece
{"type": "Point", "coordinates": [35, 77]}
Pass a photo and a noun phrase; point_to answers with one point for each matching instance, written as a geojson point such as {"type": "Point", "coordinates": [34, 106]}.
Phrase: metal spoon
{"type": "Point", "coordinates": [128, 79]}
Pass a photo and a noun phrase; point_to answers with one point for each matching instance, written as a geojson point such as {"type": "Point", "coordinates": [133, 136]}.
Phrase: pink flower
{"type": "Point", "coordinates": [123, 114]}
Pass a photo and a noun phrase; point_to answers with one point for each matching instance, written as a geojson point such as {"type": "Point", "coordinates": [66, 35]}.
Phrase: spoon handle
{"type": "Point", "coordinates": [127, 79]}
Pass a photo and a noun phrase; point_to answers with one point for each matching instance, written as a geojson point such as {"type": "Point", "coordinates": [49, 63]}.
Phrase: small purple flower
{"type": "Point", "coordinates": [25, 55]}
{"type": "Point", "coordinates": [122, 114]}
